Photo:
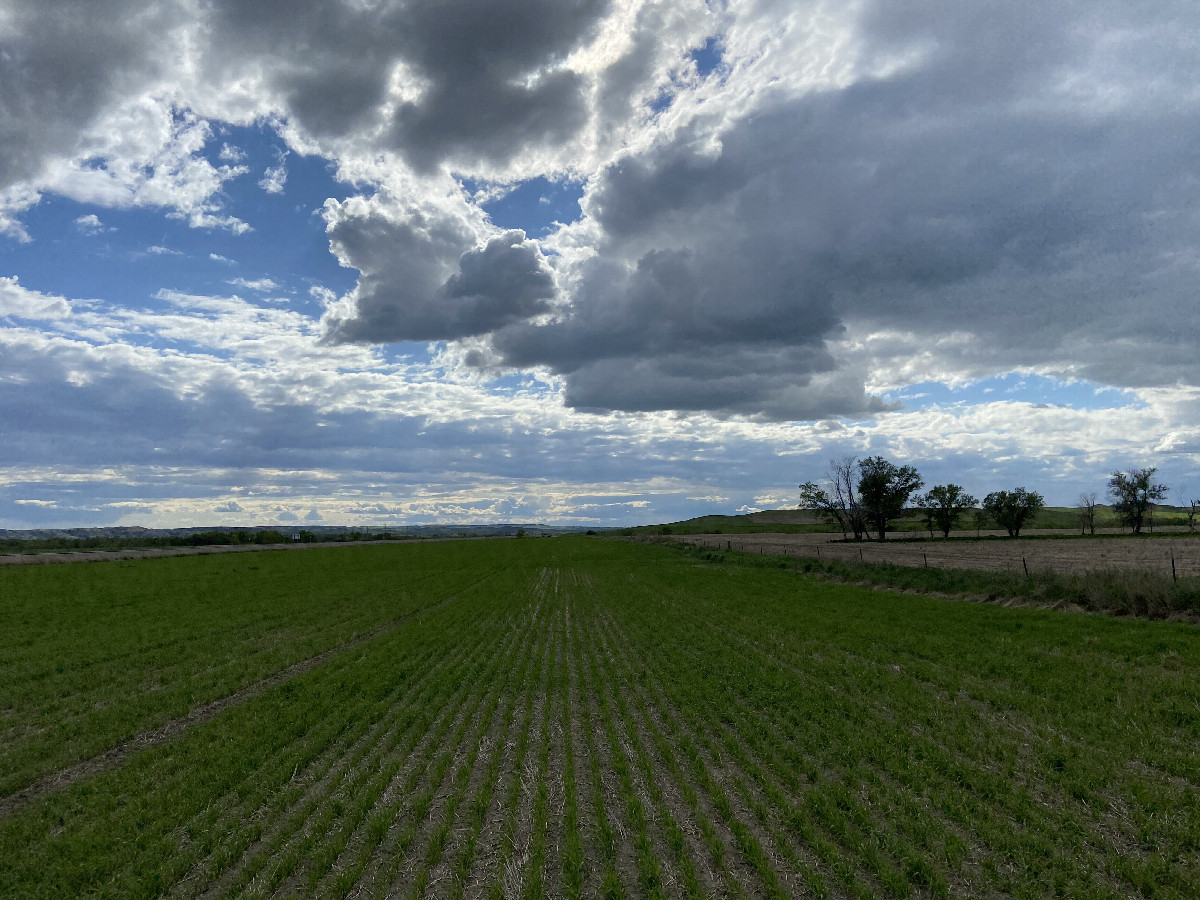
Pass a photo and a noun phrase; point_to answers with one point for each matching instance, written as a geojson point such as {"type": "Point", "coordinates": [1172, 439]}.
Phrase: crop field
{"type": "Point", "coordinates": [575, 717]}
{"type": "Point", "coordinates": [1164, 555]}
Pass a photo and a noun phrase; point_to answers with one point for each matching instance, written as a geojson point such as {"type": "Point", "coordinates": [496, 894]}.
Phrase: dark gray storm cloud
{"type": "Point", "coordinates": [489, 74]}
{"type": "Point", "coordinates": [1021, 173]}
{"type": "Point", "coordinates": [62, 64]}
{"type": "Point", "coordinates": [413, 288]}
{"type": "Point", "coordinates": [1001, 186]}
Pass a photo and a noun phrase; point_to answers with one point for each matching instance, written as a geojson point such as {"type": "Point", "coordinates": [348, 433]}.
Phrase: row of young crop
{"type": "Point", "coordinates": [901, 784]}
{"type": "Point", "coordinates": [606, 720]}
{"type": "Point", "coordinates": [96, 654]}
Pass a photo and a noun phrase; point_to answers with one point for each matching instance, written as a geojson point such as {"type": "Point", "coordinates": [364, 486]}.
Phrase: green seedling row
{"type": "Point", "coordinates": [578, 717]}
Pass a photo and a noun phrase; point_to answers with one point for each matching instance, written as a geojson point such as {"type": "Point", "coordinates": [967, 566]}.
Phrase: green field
{"type": "Point", "coordinates": [578, 717]}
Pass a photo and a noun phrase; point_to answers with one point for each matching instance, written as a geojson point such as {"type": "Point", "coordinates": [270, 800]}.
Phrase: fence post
{"type": "Point", "coordinates": [926, 558]}
{"type": "Point", "coordinates": [1174, 577]}
{"type": "Point", "coordinates": [860, 559]}
{"type": "Point", "coordinates": [1026, 566]}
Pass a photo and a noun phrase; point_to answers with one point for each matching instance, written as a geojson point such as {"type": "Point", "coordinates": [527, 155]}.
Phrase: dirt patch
{"type": "Point", "coordinates": [996, 554]}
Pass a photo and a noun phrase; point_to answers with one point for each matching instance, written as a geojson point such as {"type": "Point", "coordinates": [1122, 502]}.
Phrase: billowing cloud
{"type": "Point", "coordinates": [792, 211]}
{"type": "Point", "coordinates": [424, 276]}
{"type": "Point", "coordinates": [736, 266]}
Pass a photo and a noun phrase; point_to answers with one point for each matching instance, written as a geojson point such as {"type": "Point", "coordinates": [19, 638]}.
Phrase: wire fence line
{"type": "Point", "coordinates": [1177, 558]}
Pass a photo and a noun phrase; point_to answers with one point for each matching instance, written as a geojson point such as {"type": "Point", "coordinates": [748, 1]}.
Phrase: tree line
{"type": "Point", "coordinates": [863, 496]}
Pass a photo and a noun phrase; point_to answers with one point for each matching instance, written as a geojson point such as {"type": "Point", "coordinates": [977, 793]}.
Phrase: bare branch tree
{"type": "Point", "coordinates": [838, 501]}
{"type": "Point", "coordinates": [1190, 506]}
{"type": "Point", "coordinates": [1087, 513]}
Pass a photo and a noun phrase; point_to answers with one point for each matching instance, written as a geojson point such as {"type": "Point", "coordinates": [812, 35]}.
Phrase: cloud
{"type": "Point", "coordinates": [160, 250]}
{"type": "Point", "coordinates": [91, 224]}
{"type": "Point", "coordinates": [217, 257]}
{"type": "Point", "coordinates": [230, 506]}
{"type": "Point", "coordinates": [24, 303]}
{"type": "Point", "coordinates": [274, 179]}
{"type": "Point", "coordinates": [257, 284]}
{"type": "Point", "coordinates": [424, 275]}
{"type": "Point", "coordinates": [314, 515]}
{"type": "Point", "coordinates": [738, 266]}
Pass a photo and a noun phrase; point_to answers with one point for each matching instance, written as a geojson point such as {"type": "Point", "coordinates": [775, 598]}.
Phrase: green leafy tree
{"type": "Point", "coordinates": [1011, 510]}
{"type": "Point", "coordinates": [944, 505]}
{"type": "Point", "coordinates": [884, 490]}
{"type": "Point", "coordinates": [1133, 494]}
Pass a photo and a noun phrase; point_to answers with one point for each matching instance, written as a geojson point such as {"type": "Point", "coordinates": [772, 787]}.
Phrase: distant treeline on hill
{"type": "Point", "coordinates": [131, 538]}
{"type": "Point", "coordinates": [192, 539]}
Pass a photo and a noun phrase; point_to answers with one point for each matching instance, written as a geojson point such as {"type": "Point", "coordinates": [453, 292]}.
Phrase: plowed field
{"type": "Point", "coordinates": [578, 718]}
{"type": "Point", "coordinates": [1069, 554]}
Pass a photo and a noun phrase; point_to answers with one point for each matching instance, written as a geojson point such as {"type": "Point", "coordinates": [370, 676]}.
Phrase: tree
{"type": "Point", "coordinates": [1133, 494]}
{"type": "Point", "coordinates": [944, 506]}
{"type": "Point", "coordinates": [1012, 509]}
{"type": "Point", "coordinates": [838, 502]}
{"type": "Point", "coordinates": [1087, 513]}
{"type": "Point", "coordinates": [979, 518]}
{"type": "Point", "coordinates": [884, 489]}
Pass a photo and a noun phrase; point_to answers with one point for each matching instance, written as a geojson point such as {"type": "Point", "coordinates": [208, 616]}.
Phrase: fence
{"type": "Point", "coordinates": [1177, 558]}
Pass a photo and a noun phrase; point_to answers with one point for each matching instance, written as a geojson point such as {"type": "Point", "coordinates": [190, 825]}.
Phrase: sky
{"type": "Point", "coordinates": [364, 262]}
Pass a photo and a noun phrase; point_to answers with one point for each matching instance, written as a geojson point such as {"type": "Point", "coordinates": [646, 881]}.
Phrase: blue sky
{"type": "Point", "coordinates": [601, 264]}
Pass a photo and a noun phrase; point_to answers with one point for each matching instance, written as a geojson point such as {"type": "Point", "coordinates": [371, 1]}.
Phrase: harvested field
{"type": "Point", "coordinates": [991, 553]}
{"type": "Point", "coordinates": [576, 718]}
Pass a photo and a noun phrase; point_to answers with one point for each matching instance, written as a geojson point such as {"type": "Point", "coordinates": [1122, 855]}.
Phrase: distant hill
{"type": "Point", "coordinates": [135, 537]}
{"type": "Point", "coordinates": [793, 521]}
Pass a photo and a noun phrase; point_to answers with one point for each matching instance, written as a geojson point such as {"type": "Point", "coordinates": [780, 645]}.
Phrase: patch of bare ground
{"type": "Point", "coordinates": [116, 755]}
{"type": "Point", "coordinates": [655, 718]}
{"type": "Point", "coordinates": [1071, 554]}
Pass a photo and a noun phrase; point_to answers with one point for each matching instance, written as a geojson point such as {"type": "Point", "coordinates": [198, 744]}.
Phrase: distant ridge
{"type": "Point", "coordinates": [135, 532]}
